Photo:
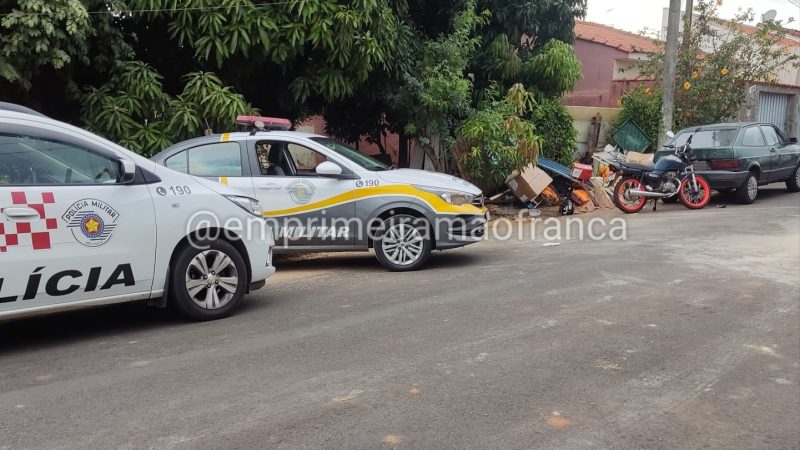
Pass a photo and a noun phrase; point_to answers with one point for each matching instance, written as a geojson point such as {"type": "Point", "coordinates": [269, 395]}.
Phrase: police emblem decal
{"type": "Point", "coordinates": [91, 221]}
{"type": "Point", "coordinates": [301, 191]}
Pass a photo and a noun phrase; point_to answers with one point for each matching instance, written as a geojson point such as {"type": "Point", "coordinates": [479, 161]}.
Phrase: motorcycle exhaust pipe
{"type": "Point", "coordinates": [640, 193]}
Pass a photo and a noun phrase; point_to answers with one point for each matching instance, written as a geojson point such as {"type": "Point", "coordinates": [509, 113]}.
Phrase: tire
{"type": "Point", "coordinates": [793, 183]}
{"type": "Point", "coordinates": [404, 243]}
{"type": "Point", "coordinates": [692, 199]}
{"type": "Point", "coordinates": [195, 269]}
{"type": "Point", "coordinates": [628, 206]}
{"type": "Point", "coordinates": [748, 191]}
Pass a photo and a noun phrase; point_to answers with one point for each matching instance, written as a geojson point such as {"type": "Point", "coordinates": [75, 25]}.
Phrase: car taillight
{"type": "Point", "coordinates": [724, 164]}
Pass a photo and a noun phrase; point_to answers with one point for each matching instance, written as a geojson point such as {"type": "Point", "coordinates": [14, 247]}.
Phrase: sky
{"type": "Point", "coordinates": [636, 15]}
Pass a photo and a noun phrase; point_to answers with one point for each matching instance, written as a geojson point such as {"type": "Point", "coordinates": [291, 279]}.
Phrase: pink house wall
{"type": "Point", "coordinates": [391, 143]}
{"type": "Point", "coordinates": [597, 87]}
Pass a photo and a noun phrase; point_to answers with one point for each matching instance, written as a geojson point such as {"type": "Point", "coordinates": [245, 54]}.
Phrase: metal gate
{"type": "Point", "coordinates": [772, 108]}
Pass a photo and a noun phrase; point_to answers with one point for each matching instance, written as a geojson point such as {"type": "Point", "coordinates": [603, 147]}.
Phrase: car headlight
{"type": "Point", "coordinates": [248, 204]}
{"type": "Point", "coordinates": [452, 197]}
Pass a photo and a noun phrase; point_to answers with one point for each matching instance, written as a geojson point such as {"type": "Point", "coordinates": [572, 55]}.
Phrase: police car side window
{"type": "Point", "coordinates": [26, 160]}
{"type": "Point", "coordinates": [305, 159]}
{"type": "Point", "coordinates": [178, 162]}
{"type": "Point", "coordinates": [221, 159]}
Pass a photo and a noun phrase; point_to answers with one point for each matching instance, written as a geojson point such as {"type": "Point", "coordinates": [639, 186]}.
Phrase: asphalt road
{"type": "Point", "coordinates": [686, 335]}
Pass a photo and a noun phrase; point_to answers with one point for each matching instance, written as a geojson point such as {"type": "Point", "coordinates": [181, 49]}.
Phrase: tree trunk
{"type": "Point", "coordinates": [430, 152]}
{"type": "Point", "coordinates": [402, 152]}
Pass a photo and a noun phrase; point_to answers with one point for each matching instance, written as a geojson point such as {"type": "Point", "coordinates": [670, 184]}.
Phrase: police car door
{"type": "Point", "coordinates": [70, 230]}
{"type": "Point", "coordinates": [304, 208]}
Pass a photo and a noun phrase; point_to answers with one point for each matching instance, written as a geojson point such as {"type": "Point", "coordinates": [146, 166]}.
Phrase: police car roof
{"type": "Point", "coordinates": [231, 137]}
{"type": "Point", "coordinates": [5, 106]}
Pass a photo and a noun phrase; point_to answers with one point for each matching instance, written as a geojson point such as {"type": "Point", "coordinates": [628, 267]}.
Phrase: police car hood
{"type": "Point", "coordinates": [429, 179]}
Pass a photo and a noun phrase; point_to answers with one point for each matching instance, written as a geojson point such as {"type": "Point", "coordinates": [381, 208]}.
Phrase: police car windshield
{"type": "Point", "coordinates": [352, 154]}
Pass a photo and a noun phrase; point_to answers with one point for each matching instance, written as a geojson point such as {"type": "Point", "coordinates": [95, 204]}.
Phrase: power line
{"type": "Point", "coordinates": [142, 11]}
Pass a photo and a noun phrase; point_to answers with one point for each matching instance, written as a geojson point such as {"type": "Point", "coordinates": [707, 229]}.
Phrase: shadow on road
{"type": "Point", "coordinates": [366, 262]}
{"type": "Point", "coordinates": [95, 323]}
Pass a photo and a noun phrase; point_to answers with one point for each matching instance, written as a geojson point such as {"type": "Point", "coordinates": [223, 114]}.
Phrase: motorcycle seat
{"type": "Point", "coordinates": [629, 166]}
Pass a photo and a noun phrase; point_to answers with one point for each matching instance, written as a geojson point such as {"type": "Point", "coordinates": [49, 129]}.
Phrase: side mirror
{"type": "Point", "coordinates": [127, 171]}
{"type": "Point", "coordinates": [328, 169]}
{"type": "Point", "coordinates": [670, 134]}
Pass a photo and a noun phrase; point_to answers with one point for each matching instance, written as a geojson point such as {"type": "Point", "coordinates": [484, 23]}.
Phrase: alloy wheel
{"type": "Point", "coordinates": [752, 187]}
{"type": "Point", "coordinates": [403, 244]}
{"type": "Point", "coordinates": [212, 279]}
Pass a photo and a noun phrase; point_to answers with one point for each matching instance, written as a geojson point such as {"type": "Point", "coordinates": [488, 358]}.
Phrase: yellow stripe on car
{"type": "Point", "coordinates": [225, 137]}
{"type": "Point", "coordinates": [223, 180]}
{"type": "Point", "coordinates": [435, 202]}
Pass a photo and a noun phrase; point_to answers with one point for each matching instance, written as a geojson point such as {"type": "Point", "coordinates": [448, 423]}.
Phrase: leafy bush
{"type": "Point", "coordinates": [500, 139]}
{"type": "Point", "coordinates": [554, 125]}
{"type": "Point", "coordinates": [133, 109]}
{"type": "Point", "coordinates": [643, 106]}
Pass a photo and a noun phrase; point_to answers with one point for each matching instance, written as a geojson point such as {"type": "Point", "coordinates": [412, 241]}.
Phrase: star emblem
{"type": "Point", "coordinates": [92, 225]}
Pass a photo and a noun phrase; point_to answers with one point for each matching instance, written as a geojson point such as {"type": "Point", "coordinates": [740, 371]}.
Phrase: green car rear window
{"type": "Point", "coordinates": [722, 137]}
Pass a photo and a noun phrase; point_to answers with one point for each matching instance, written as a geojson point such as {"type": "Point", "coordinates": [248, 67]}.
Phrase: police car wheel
{"type": "Point", "coordinates": [405, 243]}
{"type": "Point", "coordinates": [208, 282]}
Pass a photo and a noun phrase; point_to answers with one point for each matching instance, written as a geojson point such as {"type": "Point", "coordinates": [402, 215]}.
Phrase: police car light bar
{"type": "Point", "coordinates": [264, 123]}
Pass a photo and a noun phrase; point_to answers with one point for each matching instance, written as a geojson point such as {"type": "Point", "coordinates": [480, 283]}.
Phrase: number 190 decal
{"type": "Point", "coordinates": [174, 190]}
{"type": "Point", "coordinates": [367, 183]}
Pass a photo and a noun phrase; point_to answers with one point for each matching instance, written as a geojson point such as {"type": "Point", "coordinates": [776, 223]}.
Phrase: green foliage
{"type": "Point", "coordinates": [643, 106]}
{"type": "Point", "coordinates": [499, 137]}
{"type": "Point", "coordinates": [38, 35]}
{"type": "Point", "coordinates": [528, 42]}
{"type": "Point", "coordinates": [718, 61]}
{"type": "Point", "coordinates": [437, 93]}
{"type": "Point", "coordinates": [133, 109]}
{"type": "Point", "coordinates": [330, 47]}
{"type": "Point", "coordinates": [555, 126]}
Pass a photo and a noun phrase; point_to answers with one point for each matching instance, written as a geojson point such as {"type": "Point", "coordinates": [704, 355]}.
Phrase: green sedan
{"type": "Point", "coordinates": [742, 157]}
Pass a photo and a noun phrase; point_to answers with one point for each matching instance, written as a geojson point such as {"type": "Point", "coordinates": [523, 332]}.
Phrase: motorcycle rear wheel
{"type": "Point", "coordinates": [622, 200]}
{"type": "Point", "coordinates": [692, 199]}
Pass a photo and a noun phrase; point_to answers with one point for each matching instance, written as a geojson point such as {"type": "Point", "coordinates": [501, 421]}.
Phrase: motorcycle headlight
{"type": "Point", "coordinates": [248, 204]}
{"type": "Point", "coordinates": [452, 197]}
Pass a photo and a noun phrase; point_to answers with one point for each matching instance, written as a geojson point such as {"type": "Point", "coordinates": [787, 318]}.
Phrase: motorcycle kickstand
{"type": "Point", "coordinates": [655, 203]}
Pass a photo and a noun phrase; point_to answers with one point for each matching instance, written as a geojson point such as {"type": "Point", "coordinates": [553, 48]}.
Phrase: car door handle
{"type": "Point", "coordinates": [20, 212]}
{"type": "Point", "coordinates": [269, 186]}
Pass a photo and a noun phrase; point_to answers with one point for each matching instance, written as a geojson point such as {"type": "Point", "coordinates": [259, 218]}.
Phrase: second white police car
{"type": "Point", "coordinates": [323, 196]}
{"type": "Point", "coordinates": [86, 222]}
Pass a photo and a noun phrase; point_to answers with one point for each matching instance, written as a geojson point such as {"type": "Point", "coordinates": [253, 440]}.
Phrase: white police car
{"type": "Point", "coordinates": [86, 222]}
{"type": "Point", "coordinates": [322, 196]}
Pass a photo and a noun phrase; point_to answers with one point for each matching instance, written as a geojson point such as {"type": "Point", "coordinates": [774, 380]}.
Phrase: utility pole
{"type": "Point", "coordinates": [670, 61]}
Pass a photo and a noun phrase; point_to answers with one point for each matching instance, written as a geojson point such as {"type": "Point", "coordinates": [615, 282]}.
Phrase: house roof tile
{"type": "Point", "coordinates": [612, 37]}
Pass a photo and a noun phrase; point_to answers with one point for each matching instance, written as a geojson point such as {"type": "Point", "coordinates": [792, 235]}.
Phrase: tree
{"type": "Point", "coordinates": [719, 61]}
{"type": "Point", "coordinates": [53, 45]}
{"type": "Point", "coordinates": [530, 43]}
{"type": "Point", "coordinates": [436, 94]}
{"type": "Point", "coordinates": [499, 138]}
{"type": "Point", "coordinates": [133, 109]}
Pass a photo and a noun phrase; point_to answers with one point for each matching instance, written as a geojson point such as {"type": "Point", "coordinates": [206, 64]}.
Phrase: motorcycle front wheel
{"type": "Point", "coordinates": [624, 201]}
{"type": "Point", "coordinates": [695, 198]}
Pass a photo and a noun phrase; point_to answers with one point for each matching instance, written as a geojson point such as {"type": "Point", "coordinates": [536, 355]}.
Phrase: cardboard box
{"type": "Point", "coordinates": [528, 183]}
{"type": "Point", "coordinates": [639, 158]}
